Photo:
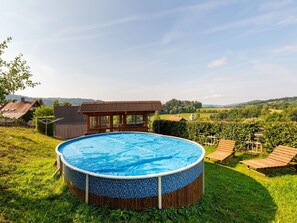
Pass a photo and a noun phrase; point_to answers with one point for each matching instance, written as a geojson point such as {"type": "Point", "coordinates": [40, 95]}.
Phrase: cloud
{"type": "Point", "coordinates": [213, 96]}
{"type": "Point", "coordinates": [280, 14]}
{"type": "Point", "coordinates": [191, 11]}
{"type": "Point", "coordinates": [270, 20]}
{"type": "Point", "coordinates": [286, 49]}
{"type": "Point", "coordinates": [273, 5]}
{"type": "Point", "coordinates": [217, 63]}
{"type": "Point", "coordinates": [195, 8]}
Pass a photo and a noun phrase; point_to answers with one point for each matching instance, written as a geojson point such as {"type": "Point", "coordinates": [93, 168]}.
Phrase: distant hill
{"type": "Point", "coordinates": [289, 101]}
{"type": "Point", "coordinates": [49, 101]}
{"type": "Point", "coordinates": [277, 102]}
{"type": "Point", "coordinates": [212, 106]}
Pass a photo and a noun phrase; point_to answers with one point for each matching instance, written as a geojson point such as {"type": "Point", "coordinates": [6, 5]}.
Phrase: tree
{"type": "Point", "coordinates": [66, 103]}
{"type": "Point", "coordinates": [292, 114]}
{"type": "Point", "coordinates": [175, 106]}
{"type": "Point", "coordinates": [56, 103]}
{"type": "Point", "coordinates": [197, 116]}
{"type": "Point", "coordinates": [275, 117]}
{"type": "Point", "coordinates": [43, 111]}
{"type": "Point", "coordinates": [39, 100]}
{"type": "Point", "coordinates": [14, 75]}
{"type": "Point", "coordinates": [157, 116]}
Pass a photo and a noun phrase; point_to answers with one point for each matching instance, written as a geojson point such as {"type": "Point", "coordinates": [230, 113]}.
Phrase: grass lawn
{"type": "Point", "coordinates": [233, 193]}
{"type": "Point", "coordinates": [203, 115]}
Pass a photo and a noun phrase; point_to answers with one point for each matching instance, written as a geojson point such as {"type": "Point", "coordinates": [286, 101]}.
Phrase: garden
{"type": "Point", "coordinates": [29, 193]}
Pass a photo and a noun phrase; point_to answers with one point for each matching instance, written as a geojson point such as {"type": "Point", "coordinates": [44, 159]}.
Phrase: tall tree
{"type": "Point", "coordinates": [15, 74]}
{"type": "Point", "coordinates": [56, 103]}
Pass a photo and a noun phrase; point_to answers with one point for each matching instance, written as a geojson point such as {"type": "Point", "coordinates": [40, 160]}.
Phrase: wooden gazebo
{"type": "Point", "coordinates": [118, 115]}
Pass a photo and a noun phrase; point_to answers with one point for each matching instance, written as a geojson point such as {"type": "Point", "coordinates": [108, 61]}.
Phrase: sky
{"type": "Point", "coordinates": [216, 52]}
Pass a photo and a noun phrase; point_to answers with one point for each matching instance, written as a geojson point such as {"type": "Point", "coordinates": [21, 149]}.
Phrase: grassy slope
{"type": "Point", "coordinates": [203, 115]}
{"type": "Point", "coordinates": [232, 193]}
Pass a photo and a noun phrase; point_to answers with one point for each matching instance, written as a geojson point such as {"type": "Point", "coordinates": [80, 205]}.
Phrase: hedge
{"type": "Point", "coordinates": [274, 134]}
{"type": "Point", "coordinates": [170, 128]}
{"type": "Point", "coordinates": [280, 134]}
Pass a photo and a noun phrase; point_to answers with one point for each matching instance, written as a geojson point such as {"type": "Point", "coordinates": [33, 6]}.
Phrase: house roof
{"type": "Point", "coordinates": [73, 123]}
{"type": "Point", "coordinates": [175, 119]}
{"type": "Point", "coordinates": [120, 106]}
{"type": "Point", "coordinates": [17, 109]}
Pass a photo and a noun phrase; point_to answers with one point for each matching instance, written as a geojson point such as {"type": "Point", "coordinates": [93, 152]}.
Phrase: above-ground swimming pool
{"type": "Point", "coordinates": [133, 170]}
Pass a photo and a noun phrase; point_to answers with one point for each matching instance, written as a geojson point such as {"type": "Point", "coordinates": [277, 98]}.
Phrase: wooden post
{"type": "Point", "coordinates": [99, 122]}
{"type": "Point", "coordinates": [121, 122]}
{"type": "Point", "coordinates": [88, 122]}
{"type": "Point", "coordinates": [96, 121]}
{"type": "Point", "coordinates": [125, 121]}
{"type": "Point", "coordinates": [111, 123]}
{"type": "Point", "coordinates": [145, 117]}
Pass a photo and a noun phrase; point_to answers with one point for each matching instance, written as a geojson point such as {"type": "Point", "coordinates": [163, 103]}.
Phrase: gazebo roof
{"type": "Point", "coordinates": [120, 106]}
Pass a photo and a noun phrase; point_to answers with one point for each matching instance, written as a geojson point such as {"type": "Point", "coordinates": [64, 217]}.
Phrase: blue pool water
{"type": "Point", "coordinates": [129, 154]}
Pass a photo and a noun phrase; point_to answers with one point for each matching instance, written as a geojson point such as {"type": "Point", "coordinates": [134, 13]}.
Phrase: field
{"type": "Point", "coordinates": [233, 193]}
{"type": "Point", "coordinates": [204, 113]}
{"type": "Point", "coordinates": [185, 115]}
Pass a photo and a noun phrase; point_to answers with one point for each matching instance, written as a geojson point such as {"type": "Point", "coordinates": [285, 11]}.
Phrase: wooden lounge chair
{"type": "Point", "coordinates": [224, 150]}
{"type": "Point", "coordinates": [280, 157]}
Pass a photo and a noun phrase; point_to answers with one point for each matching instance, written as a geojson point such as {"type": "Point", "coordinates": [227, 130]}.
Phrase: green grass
{"type": "Point", "coordinates": [233, 193]}
{"type": "Point", "coordinates": [203, 115]}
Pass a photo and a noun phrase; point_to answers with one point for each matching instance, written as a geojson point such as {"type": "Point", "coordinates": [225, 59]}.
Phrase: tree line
{"type": "Point", "coordinates": [175, 106]}
{"type": "Point", "coordinates": [262, 112]}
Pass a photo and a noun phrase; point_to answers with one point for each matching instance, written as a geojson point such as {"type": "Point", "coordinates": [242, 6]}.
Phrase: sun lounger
{"type": "Point", "coordinates": [280, 157]}
{"type": "Point", "coordinates": [224, 150]}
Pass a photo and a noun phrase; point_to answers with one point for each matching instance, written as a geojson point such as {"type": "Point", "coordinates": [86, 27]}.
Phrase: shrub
{"type": "Point", "coordinates": [171, 128]}
{"type": "Point", "coordinates": [279, 133]}
{"type": "Point", "coordinates": [44, 112]}
{"type": "Point", "coordinates": [241, 132]}
{"type": "Point", "coordinates": [274, 134]}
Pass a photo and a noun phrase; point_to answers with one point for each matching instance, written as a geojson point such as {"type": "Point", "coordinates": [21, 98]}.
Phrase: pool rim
{"type": "Point", "coordinates": [61, 157]}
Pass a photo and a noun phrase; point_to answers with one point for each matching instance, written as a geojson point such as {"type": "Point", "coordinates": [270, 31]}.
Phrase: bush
{"type": "Point", "coordinates": [241, 132]}
{"type": "Point", "coordinates": [171, 128]}
{"type": "Point", "coordinates": [279, 133]}
{"type": "Point", "coordinates": [274, 133]}
{"type": "Point", "coordinates": [44, 112]}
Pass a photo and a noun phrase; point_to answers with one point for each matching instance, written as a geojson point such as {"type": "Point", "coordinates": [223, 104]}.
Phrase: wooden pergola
{"type": "Point", "coordinates": [118, 115]}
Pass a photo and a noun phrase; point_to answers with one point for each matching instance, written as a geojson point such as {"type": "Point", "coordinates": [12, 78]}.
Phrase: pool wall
{"type": "Point", "coordinates": [178, 188]}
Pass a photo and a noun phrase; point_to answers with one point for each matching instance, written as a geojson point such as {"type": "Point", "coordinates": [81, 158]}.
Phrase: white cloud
{"type": "Point", "coordinates": [286, 49]}
{"type": "Point", "coordinates": [195, 8]}
{"type": "Point", "coordinates": [217, 63]}
{"type": "Point", "coordinates": [274, 5]}
{"type": "Point", "coordinates": [191, 11]}
{"type": "Point", "coordinates": [213, 96]}
{"type": "Point", "coordinates": [266, 21]}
